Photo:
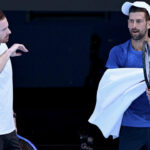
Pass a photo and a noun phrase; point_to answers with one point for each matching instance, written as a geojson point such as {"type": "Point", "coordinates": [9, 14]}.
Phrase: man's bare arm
{"type": "Point", "coordinates": [11, 52]}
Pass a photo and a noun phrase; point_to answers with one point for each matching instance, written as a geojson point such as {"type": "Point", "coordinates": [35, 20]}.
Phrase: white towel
{"type": "Point", "coordinates": [117, 89]}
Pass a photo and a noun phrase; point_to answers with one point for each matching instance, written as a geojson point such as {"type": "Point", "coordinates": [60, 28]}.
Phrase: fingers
{"type": "Point", "coordinates": [13, 49]}
{"type": "Point", "coordinates": [148, 93]}
{"type": "Point", "coordinates": [148, 90]}
{"type": "Point", "coordinates": [22, 48]}
{"type": "Point", "coordinates": [17, 54]}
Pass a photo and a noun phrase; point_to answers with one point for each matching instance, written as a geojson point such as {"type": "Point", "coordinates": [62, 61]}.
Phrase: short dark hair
{"type": "Point", "coordinates": [2, 15]}
{"type": "Point", "coordinates": [138, 9]}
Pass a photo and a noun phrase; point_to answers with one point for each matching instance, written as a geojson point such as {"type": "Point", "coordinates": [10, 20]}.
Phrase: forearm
{"type": "Point", "coordinates": [11, 52]}
{"type": "Point", "coordinates": [3, 59]}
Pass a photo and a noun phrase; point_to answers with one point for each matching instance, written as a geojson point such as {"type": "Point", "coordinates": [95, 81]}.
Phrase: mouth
{"type": "Point", "coordinates": [135, 31]}
{"type": "Point", "coordinates": [7, 37]}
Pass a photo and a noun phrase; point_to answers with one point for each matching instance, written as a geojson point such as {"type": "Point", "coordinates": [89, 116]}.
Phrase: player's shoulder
{"type": "Point", "coordinates": [122, 47]}
{"type": "Point", "coordinates": [3, 46]}
{"type": "Point", "coordinates": [125, 44]}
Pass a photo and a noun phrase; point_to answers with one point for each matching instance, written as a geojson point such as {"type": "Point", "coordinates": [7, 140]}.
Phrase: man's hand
{"type": "Point", "coordinates": [11, 52]}
{"type": "Point", "coordinates": [14, 116]}
{"type": "Point", "coordinates": [13, 49]}
{"type": "Point", "coordinates": [148, 93]}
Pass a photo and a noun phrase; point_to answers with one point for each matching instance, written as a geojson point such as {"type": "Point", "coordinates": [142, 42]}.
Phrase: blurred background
{"type": "Point", "coordinates": [55, 84]}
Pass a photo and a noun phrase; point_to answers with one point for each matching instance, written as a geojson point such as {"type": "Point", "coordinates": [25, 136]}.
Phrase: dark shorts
{"type": "Point", "coordinates": [9, 142]}
{"type": "Point", "coordinates": [134, 138]}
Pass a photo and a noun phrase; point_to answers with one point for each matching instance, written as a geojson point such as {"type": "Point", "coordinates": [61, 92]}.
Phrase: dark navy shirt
{"type": "Point", "coordinates": [124, 56]}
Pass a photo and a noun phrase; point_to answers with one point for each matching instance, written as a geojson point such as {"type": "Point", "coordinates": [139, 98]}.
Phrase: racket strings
{"type": "Point", "coordinates": [147, 62]}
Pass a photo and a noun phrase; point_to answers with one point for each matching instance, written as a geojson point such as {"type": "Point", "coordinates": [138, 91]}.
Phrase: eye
{"type": "Point", "coordinates": [131, 21]}
{"type": "Point", "coordinates": [4, 29]}
{"type": "Point", "coordinates": [139, 21]}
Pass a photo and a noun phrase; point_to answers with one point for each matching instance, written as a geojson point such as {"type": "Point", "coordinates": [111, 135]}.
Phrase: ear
{"type": "Point", "coordinates": [148, 24]}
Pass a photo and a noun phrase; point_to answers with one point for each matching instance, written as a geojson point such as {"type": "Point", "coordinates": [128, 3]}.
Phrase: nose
{"type": "Point", "coordinates": [9, 31]}
{"type": "Point", "coordinates": [134, 24]}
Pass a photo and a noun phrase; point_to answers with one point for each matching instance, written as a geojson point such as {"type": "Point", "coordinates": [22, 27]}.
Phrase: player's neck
{"type": "Point", "coordinates": [138, 44]}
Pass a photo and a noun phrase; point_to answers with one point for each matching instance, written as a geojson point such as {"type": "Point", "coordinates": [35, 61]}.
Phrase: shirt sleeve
{"type": "Point", "coordinates": [113, 61]}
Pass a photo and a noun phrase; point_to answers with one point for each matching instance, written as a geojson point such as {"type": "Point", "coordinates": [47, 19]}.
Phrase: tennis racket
{"type": "Point", "coordinates": [146, 63]}
{"type": "Point", "coordinates": [26, 144]}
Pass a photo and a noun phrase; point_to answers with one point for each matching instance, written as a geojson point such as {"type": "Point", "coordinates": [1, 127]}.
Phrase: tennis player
{"type": "Point", "coordinates": [135, 128]}
{"type": "Point", "coordinates": [8, 138]}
